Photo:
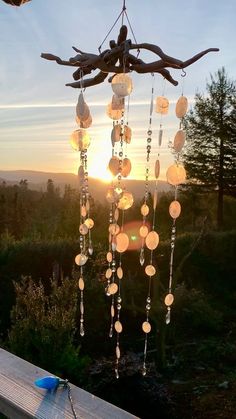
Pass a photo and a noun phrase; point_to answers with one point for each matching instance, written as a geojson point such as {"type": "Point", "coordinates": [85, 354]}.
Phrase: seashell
{"type": "Point", "coordinates": [112, 311]}
{"type": "Point", "coordinates": [179, 140]}
{"type": "Point", "coordinates": [112, 288]}
{"type": "Point", "coordinates": [127, 134]}
{"type": "Point", "coordinates": [114, 229]}
{"type": "Point", "coordinates": [108, 273]}
{"type": "Point", "coordinates": [157, 169]}
{"type": "Point", "coordinates": [126, 201]}
{"type": "Point", "coordinates": [83, 211]}
{"type": "Point", "coordinates": [83, 229]}
{"type": "Point", "coordinates": [114, 114]}
{"type": "Point", "coordinates": [169, 299]}
{"type": "Point", "coordinates": [114, 165]}
{"type": "Point", "coordinates": [122, 242]}
{"type": "Point", "coordinates": [152, 240]}
{"type": "Point", "coordinates": [181, 107]}
{"type": "Point", "coordinates": [175, 209]}
{"type": "Point", "coordinates": [126, 167]}
{"type": "Point", "coordinates": [118, 326]}
{"type": "Point", "coordinates": [150, 270]}
{"type": "Point", "coordinates": [176, 174]}
{"type": "Point", "coordinates": [162, 105]}
{"type": "Point", "coordinates": [144, 210]}
{"type": "Point", "coordinates": [116, 214]}
{"type": "Point", "coordinates": [117, 352]}
{"type": "Point", "coordinates": [117, 103]}
{"type": "Point", "coordinates": [109, 257]}
{"type": "Point", "coordinates": [89, 223]}
{"type": "Point", "coordinates": [86, 123]}
{"type": "Point", "coordinates": [111, 196]}
{"type": "Point", "coordinates": [143, 231]}
{"type": "Point", "coordinates": [122, 85]}
{"type": "Point", "coordinates": [81, 259]}
{"type": "Point", "coordinates": [82, 109]}
{"type": "Point", "coordinates": [155, 200]}
{"type": "Point", "coordinates": [81, 284]}
{"type": "Point", "coordinates": [160, 135]}
{"type": "Point", "coordinates": [115, 133]}
{"type": "Point", "coordinates": [146, 327]}
{"type": "Point", "coordinates": [119, 272]}
{"type": "Point", "coordinates": [79, 140]}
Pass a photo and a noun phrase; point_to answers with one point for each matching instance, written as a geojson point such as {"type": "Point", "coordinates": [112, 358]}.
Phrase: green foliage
{"type": "Point", "coordinates": [44, 326]}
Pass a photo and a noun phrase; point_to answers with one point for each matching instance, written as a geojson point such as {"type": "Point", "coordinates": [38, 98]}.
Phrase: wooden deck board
{"type": "Point", "coordinates": [20, 398]}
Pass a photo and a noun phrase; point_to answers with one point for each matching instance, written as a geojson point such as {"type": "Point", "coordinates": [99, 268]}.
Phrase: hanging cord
{"type": "Point", "coordinates": [121, 14]}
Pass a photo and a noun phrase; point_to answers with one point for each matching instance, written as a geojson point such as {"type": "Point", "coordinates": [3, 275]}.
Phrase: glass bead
{"type": "Point", "coordinates": [118, 306]}
{"type": "Point", "coordinates": [149, 139]}
{"type": "Point", "coordinates": [119, 299]}
{"type": "Point", "coordinates": [148, 299]}
{"type": "Point", "coordinates": [172, 245]}
{"type": "Point", "coordinates": [149, 132]}
{"type": "Point", "coordinates": [148, 307]}
{"type": "Point", "coordinates": [148, 148]}
{"type": "Point", "coordinates": [121, 153]}
{"type": "Point", "coordinates": [81, 330]}
{"type": "Point", "coordinates": [144, 371]}
{"type": "Point", "coordinates": [142, 258]}
{"type": "Point", "coordinates": [111, 332]}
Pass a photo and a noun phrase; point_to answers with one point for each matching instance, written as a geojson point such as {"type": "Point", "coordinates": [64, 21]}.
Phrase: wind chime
{"type": "Point", "coordinates": [118, 60]}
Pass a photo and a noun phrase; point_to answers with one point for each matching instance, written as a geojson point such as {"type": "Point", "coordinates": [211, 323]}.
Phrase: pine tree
{"type": "Point", "coordinates": [211, 131]}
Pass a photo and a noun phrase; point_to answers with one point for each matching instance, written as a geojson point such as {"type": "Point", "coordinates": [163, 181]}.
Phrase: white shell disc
{"type": "Point", "coordinates": [162, 105]}
{"type": "Point", "coordinates": [79, 140]}
{"type": "Point", "coordinates": [112, 311]}
{"type": "Point", "coordinates": [114, 229]}
{"type": "Point", "coordinates": [144, 209]}
{"type": "Point", "coordinates": [150, 270]}
{"type": "Point", "coordinates": [83, 229]}
{"type": "Point", "coordinates": [152, 240]}
{"type": "Point", "coordinates": [126, 201]}
{"type": "Point", "coordinates": [83, 211]}
{"type": "Point", "coordinates": [122, 85]}
{"type": "Point", "coordinates": [146, 327]}
{"type": "Point", "coordinates": [127, 135]}
{"type": "Point", "coordinates": [175, 209]}
{"type": "Point", "coordinates": [179, 140]}
{"type": "Point", "coordinates": [109, 257]}
{"type": "Point", "coordinates": [114, 165]}
{"type": "Point", "coordinates": [119, 272]}
{"type": "Point", "coordinates": [169, 299]}
{"type": "Point", "coordinates": [113, 288]}
{"type": "Point", "coordinates": [81, 284]}
{"type": "Point", "coordinates": [143, 231]}
{"type": "Point", "coordinates": [176, 174]}
{"type": "Point", "coordinates": [81, 259]}
{"type": "Point", "coordinates": [111, 196]}
{"type": "Point", "coordinates": [126, 167]}
{"type": "Point", "coordinates": [181, 107]}
{"type": "Point", "coordinates": [118, 326]}
{"type": "Point", "coordinates": [116, 214]}
{"type": "Point", "coordinates": [157, 169]}
{"type": "Point", "coordinates": [122, 242]}
{"type": "Point", "coordinates": [117, 352]}
{"type": "Point", "coordinates": [89, 223]}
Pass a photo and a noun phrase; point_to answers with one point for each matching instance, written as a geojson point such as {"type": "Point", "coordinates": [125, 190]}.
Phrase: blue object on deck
{"type": "Point", "coordinates": [49, 383]}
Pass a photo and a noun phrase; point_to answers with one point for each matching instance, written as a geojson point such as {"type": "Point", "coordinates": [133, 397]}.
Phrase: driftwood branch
{"type": "Point", "coordinates": [118, 59]}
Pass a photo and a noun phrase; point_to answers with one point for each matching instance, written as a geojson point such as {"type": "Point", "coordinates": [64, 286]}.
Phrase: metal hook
{"type": "Point", "coordinates": [183, 73]}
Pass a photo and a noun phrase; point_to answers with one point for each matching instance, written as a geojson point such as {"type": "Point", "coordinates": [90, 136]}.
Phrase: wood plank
{"type": "Point", "coordinates": [20, 398]}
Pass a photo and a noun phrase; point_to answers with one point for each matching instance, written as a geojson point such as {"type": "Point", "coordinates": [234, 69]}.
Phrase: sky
{"type": "Point", "coordinates": [37, 111]}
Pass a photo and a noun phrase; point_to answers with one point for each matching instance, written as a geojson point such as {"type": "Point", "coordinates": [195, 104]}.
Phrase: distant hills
{"type": "Point", "coordinates": [38, 181]}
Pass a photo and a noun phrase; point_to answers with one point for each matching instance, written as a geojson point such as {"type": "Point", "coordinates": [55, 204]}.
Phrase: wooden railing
{"type": "Point", "coordinates": [20, 398]}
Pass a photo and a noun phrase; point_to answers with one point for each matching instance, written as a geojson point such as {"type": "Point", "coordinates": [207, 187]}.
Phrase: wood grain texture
{"type": "Point", "coordinates": [20, 398]}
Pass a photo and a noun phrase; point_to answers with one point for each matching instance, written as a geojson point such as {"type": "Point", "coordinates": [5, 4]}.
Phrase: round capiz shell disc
{"type": "Point", "coordinates": [114, 165]}
{"type": "Point", "coordinates": [81, 284]}
{"type": "Point", "coordinates": [176, 174]}
{"type": "Point", "coordinates": [152, 240]}
{"type": "Point", "coordinates": [146, 327]}
{"type": "Point", "coordinates": [114, 114]}
{"type": "Point", "coordinates": [181, 107]}
{"type": "Point", "coordinates": [179, 140]}
{"type": "Point", "coordinates": [143, 231]}
{"type": "Point", "coordinates": [111, 196]}
{"type": "Point", "coordinates": [89, 223]}
{"type": "Point", "coordinates": [126, 167]}
{"type": "Point", "coordinates": [126, 201]}
{"type": "Point", "coordinates": [144, 210]}
{"type": "Point", "coordinates": [112, 288]}
{"type": "Point", "coordinates": [116, 214]}
{"type": "Point", "coordinates": [109, 257]}
{"type": "Point", "coordinates": [169, 299]}
{"type": "Point", "coordinates": [108, 273]}
{"type": "Point", "coordinates": [127, 135]}
{"type": "Point", "coordinates": [150, 270]}
{"type": "Point", "coordinates": [119, 272]}
{"type": "Point", "coordinates": [157, 169]}
{"type": "Point", "coordinates": [83, 229]}
{"type": "Point", "coordinates": [175, 209]}
{"type": "Point", "coordinates": [122, 85]}
{"type": "Point", "coordinates": [162, 105]}
{"type": "Point", "coordinates": [81, 259]}
{"type": "Point", "coordinates": [118, 326]}
{"type": "Point", "coordinates": [86, 123]}
{"type": "Point", "coordinates": [79, 140]}
{"type": "Point", "coordinates": [122, 242]}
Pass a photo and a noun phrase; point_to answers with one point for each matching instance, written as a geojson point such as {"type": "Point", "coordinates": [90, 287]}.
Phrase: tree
{"type": "Point", "coordinates": [211, 132]}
